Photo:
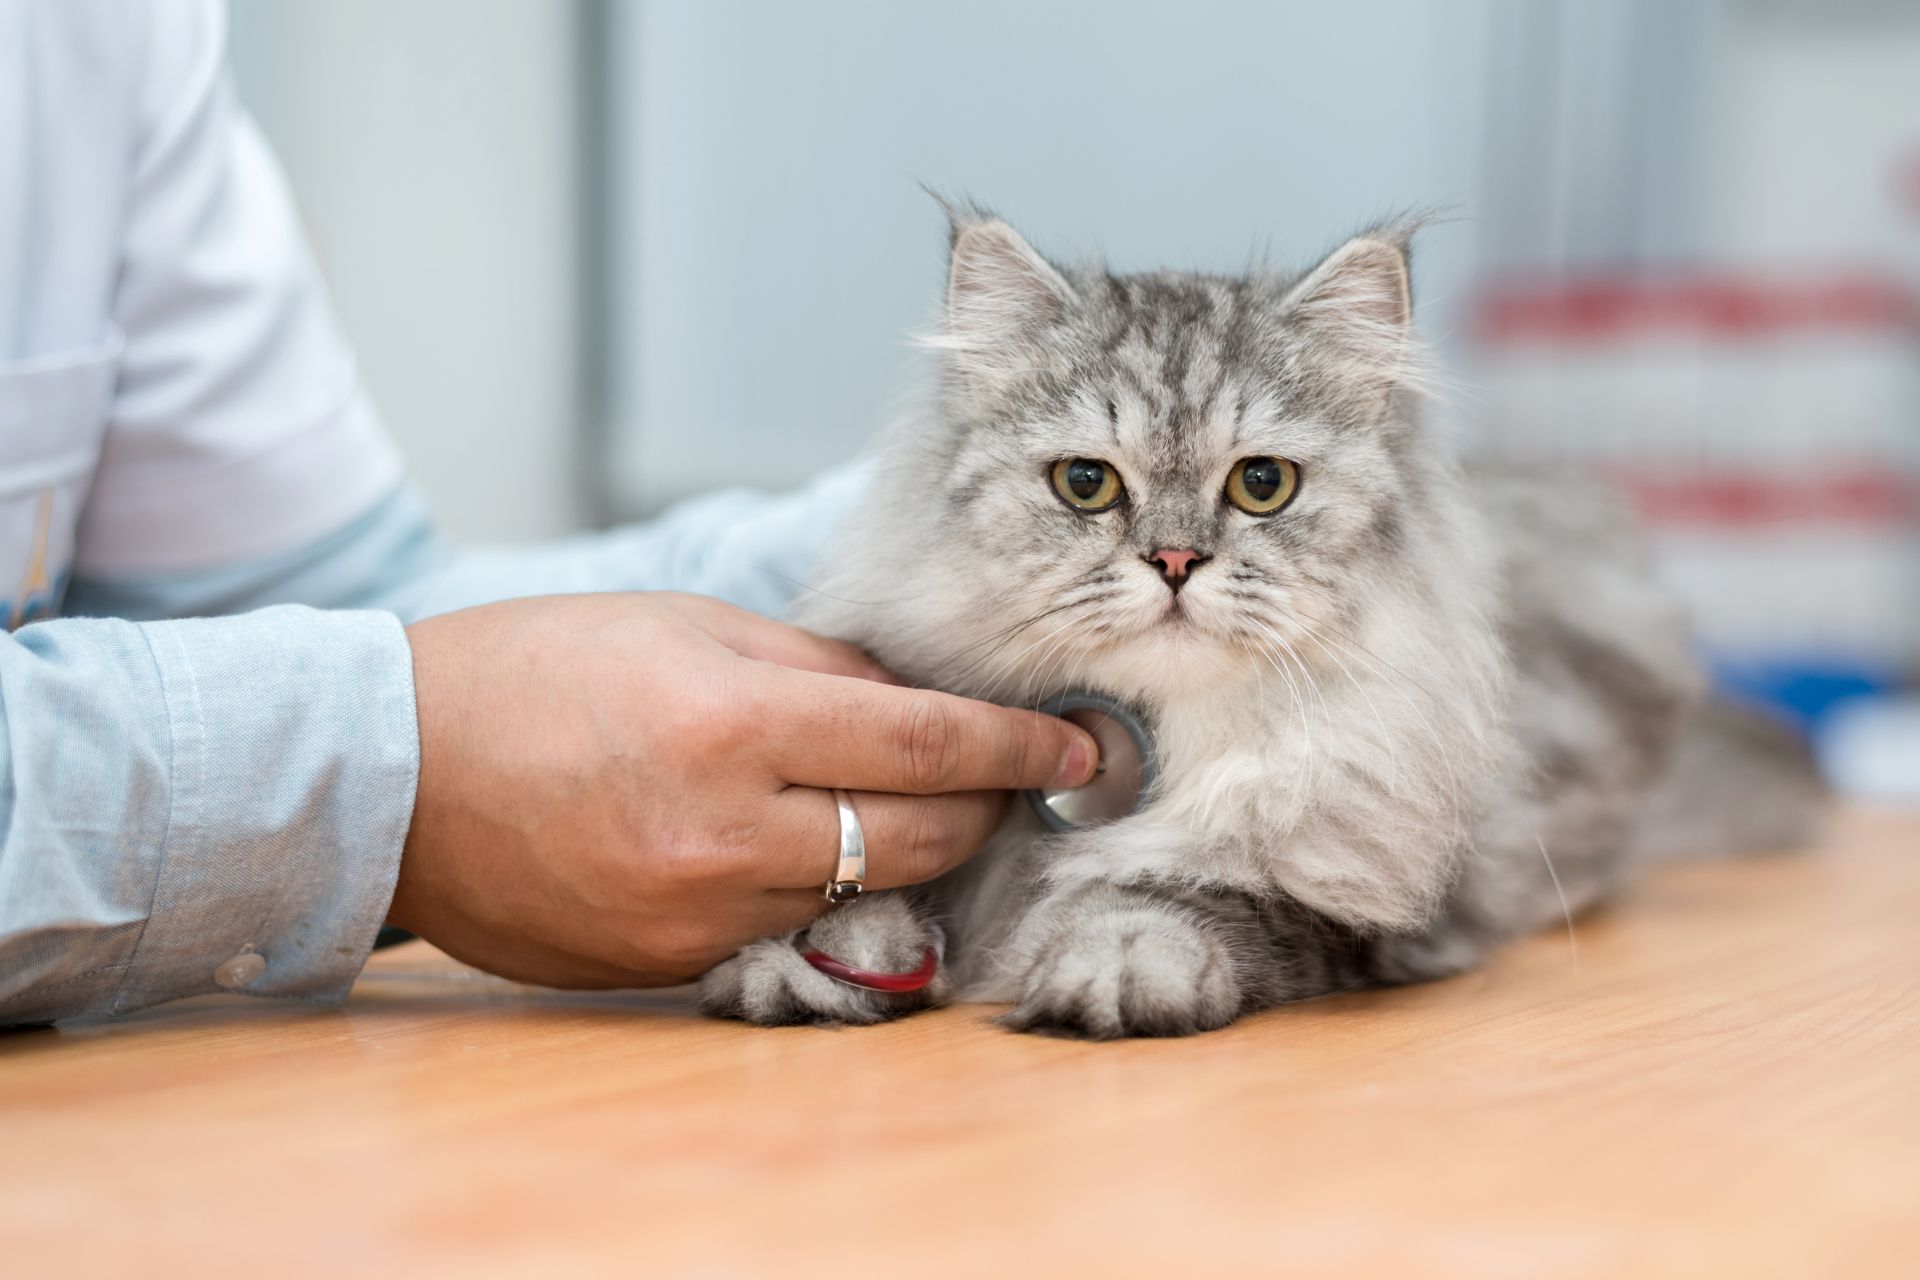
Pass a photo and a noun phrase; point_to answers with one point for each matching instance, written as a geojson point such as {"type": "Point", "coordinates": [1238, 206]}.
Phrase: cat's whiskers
{"type": "Point", "coordinates": [1041, 680]}
{"type": "Point", "coordinates": [1312, 685]}
{"type": "Point", "coordinates": [1005, 635]}
{"type": "Point", "coordinates": [1573, 941]}
{"type": "Point", "coordinates": [1071, 681]}
{"type": "Point", "coordinates": [1306, 675]}
{"type": "Point", "coordinates": [1077, 659]}
{"type": "Point", "coordinates": [1055, 640]}
{"type": "Point", "coordinates": [1372, 662]}
{"type": "Point", "coordinates": [1008, 668]}
{"type": "Point", "coordinates": [1396, 682]}
{"type": "Point", "coordinates": [1348, 638]}
{"type": "Point", "coordinates": [1300, 704]}
{"type": "Point", "coordinates": [1373, 708]}
{"type": "Point", "coordinates": [828, 595]}
{"type": "Point", "coordinates": [1002, 667]}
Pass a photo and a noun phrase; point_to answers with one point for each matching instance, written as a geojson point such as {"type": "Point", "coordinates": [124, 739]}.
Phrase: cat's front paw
{"type": "Point", "coordinates": [1139, 969]}
{"type": "Point", "coordinates": [769, 983]}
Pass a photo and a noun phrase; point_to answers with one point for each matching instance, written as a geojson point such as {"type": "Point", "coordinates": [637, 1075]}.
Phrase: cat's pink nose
{"type": "Point", "coordinates": [1175, 564]}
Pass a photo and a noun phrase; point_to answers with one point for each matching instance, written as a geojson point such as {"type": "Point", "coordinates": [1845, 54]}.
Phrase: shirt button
{"type": "Point", "coordinates": [240, 972]}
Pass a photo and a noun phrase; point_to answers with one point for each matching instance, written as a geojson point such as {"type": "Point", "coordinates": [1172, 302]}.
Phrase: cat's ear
{"type": "Point", "coordinates": [1000, 292]}
{"type": "Point", "coordinates": [1360, 296]}
{"type": "Point", "coordinates": [1355, 312]}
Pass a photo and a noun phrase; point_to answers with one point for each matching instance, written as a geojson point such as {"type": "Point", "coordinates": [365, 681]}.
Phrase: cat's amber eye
{"type": "Point", "coordinates": [1087, 484]}
{"type": "Point", "coordinates": [1261, 486]}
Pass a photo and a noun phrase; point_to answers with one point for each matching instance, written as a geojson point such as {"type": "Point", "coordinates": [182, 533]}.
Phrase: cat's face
{"type": "Point", "coordinates": [1156, 478]}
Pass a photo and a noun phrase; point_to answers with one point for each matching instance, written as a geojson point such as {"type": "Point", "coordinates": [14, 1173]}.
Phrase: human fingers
{"type": "Point", "coordinates": [909, 839]}
{"type": "Point", "coordinates": [827, 731]}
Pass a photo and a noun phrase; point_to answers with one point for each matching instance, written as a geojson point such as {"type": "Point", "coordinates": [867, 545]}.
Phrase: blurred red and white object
{"type": "Point", "coordinates": [1766, 426]}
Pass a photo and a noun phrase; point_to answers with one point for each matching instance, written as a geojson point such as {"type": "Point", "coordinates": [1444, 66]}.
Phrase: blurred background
{"type": "Point", "coordinates": [597, 255]}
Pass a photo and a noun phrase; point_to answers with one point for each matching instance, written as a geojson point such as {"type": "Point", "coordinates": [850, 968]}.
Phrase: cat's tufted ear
{"type": "Point", "coordinates": [1355, 311]}
{"type": "Point", "coordinates": [1000, 292]}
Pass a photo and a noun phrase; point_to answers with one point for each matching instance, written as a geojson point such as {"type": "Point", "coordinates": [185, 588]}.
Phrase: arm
{"type": "Point", "coordinates": [146, 848]}
{"type": "Point", "coordinates": [602, 790]}
{"type": "Point", "coordinates": [753, 550]}
{"type": "Point", "coordinates": [225, 803]}
{"type": "Point", "coordinates": [177, 794]}
{"type": "Point", "coordinates": [155, 719]}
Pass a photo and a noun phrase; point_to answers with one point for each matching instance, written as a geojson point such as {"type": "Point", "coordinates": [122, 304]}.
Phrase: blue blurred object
{"type": "Point", "coordinates": [1807, 691]}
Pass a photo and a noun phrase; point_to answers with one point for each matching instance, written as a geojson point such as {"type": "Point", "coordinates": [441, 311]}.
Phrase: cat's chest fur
{"type": "Point", "coordinates": [1274, 791]}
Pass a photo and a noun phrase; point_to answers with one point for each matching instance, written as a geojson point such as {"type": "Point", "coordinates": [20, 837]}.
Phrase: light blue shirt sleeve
{"type": "Point", "coordinates": [198, 804]}
{"type": "Point", "coordinates": [207, 773]}
{"type": "Point", "coordinates": [221, 802]}
{"type": "Point", "coordinates": [743, 546]}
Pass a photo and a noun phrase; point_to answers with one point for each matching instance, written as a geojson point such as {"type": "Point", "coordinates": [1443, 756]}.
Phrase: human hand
{"type": "Point", "coordinates": [623, 790]}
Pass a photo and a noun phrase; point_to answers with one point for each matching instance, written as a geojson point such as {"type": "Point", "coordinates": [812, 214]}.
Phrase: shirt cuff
{"type": "Point", "coordinates": [295, 758]}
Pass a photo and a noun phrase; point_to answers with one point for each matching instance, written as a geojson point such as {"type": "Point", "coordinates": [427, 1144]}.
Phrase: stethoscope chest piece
{"type": "Point", "coordinates": [1126, 764]}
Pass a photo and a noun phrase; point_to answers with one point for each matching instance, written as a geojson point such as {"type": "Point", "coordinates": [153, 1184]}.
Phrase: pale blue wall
{"type": "Point", "coordinates": [772, 247]}
{"type": "Point", "coordinates": [432, 146]}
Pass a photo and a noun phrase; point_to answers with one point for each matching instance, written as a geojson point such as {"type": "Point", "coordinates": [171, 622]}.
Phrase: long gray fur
{"type": "Point", "coordinates": [1416, 713]}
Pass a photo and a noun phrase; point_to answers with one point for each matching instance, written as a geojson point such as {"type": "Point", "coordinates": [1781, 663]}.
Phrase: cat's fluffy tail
{"type": "Point", "coordinates": [1738, 782]}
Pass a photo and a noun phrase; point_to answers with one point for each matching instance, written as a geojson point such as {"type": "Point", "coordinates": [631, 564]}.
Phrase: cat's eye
{"type": "Point", "coordinates": [1087, 484]}
{"type": "Point", "coordinates": [1261, 486]}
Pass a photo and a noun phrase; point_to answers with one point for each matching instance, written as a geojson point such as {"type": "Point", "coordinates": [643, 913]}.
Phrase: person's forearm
{"type": "Point", "coordinates": [754, 550]}
{"type": "Point", "coordinates": [192, 806]}
{"type": "Point", "coordinates": [748, 548]}
{"type": "Point", "coordinates": [184, 794]}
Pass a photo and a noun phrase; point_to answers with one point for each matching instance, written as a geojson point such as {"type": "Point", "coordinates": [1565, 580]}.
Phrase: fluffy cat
{"type": "Point", "coordinates": [1402, 711]}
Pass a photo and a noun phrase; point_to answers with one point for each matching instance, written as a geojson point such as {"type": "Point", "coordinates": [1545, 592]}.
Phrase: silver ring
{"type": "Point", "coordinates": [849, 878]}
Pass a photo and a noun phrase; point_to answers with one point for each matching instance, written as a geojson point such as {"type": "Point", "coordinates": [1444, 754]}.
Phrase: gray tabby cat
{"type": "Point", "coordinates": [1402, 712]}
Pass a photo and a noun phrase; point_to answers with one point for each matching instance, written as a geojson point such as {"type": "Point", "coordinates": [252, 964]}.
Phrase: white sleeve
{"type": "Point", "coordinates": [239, 428]}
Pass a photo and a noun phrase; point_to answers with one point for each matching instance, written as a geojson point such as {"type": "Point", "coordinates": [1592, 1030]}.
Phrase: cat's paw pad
{"type": "Point", "coordinates": [770, 983]}
{"type": "Point", "coordinates": [1139, 972]}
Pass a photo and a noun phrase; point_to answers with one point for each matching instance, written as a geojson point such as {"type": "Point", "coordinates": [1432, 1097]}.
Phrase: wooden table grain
{"type": "Point", "coordinates": [1723, 1079]}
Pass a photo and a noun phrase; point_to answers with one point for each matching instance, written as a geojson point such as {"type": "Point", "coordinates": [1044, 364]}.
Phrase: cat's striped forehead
{"type": "Point", "coordinates": [1191, 370]}
{"type": "Point", "coordinates": [1177, 356]}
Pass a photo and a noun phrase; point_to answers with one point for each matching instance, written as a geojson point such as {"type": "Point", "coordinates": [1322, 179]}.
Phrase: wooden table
{"type": "Point", "coordinates": [1725, 1080]}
